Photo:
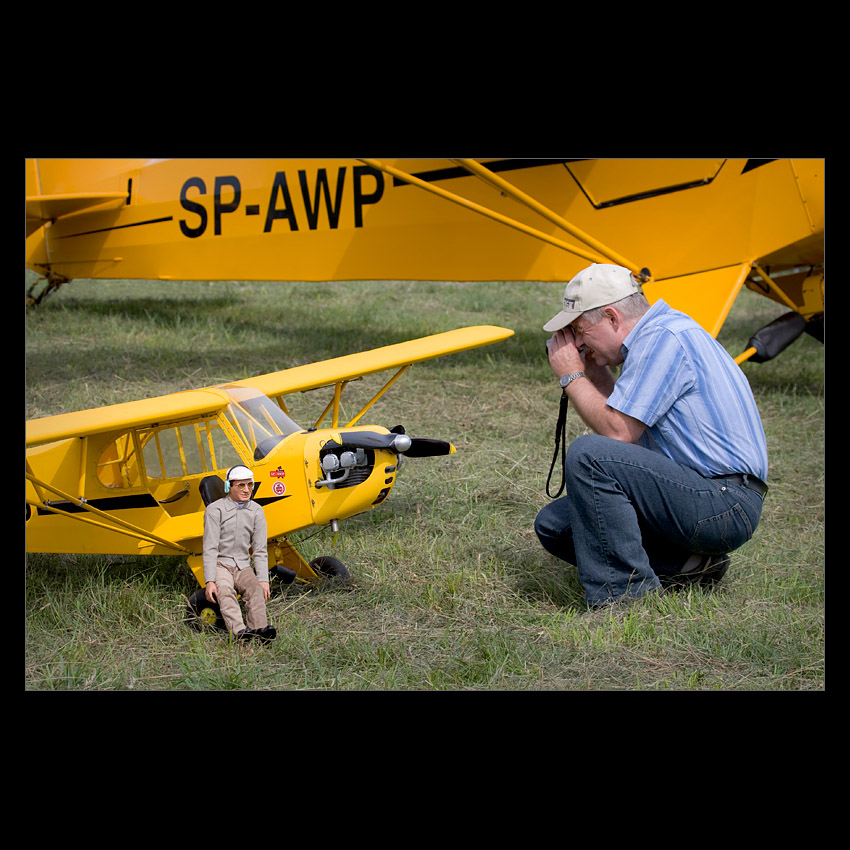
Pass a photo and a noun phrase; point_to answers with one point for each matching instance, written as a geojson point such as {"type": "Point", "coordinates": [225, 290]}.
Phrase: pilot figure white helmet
{"type": "Point", "coordinates": [237, 473]}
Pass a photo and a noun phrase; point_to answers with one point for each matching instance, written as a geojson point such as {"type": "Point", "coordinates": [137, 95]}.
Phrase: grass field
{"type": "Point", "coordinates": [450, 590]}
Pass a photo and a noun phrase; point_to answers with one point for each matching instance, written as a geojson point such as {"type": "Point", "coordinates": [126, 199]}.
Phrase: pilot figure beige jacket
{"type": "Point", "coordinates": [231, 530]}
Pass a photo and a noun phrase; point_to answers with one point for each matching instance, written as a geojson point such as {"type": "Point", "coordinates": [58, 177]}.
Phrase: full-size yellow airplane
{"type": "Point", "coordinates": [694, 230]}
{"type": "Point", "coordinates": [134, 478]}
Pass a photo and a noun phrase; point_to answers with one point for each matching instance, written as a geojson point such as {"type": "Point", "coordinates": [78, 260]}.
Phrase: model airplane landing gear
{"type": "Point", "coordinates": [287, 564]}
{"type": "Point", "coordinates": [330, 567]}
{"type": "Point", "coordinates": [323, 567]}
{"type": "Point", "coordinates": [202, 614]}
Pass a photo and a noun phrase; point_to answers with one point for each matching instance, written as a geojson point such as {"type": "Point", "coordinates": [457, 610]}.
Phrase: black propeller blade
{"type": "Point", "coordinates": [398, 442]}
{"type": "Point", "coordinates": [424, 447]}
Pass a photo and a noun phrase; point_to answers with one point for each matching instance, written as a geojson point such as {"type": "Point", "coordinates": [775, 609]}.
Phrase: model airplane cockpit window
{"type": "Point", "coordinates": [118, 467]}
{"type": "Point", "coordinates": [258, 420]}
{"type": "Point", "coordinates": [191, 449]}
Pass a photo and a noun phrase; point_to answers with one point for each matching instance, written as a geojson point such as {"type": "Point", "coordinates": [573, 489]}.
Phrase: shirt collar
{"type": "Point", "coordinates": [659, 308]}
{"type": "Point", "coordinates": [231, 505]}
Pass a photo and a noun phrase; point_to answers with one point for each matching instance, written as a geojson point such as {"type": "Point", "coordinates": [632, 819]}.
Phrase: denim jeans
{"type": "Point", "coordinates": [631, 514]}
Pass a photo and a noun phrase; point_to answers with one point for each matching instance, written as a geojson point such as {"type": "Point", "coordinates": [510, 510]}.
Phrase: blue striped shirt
{"type": "Point", "coordinates": [694, 399]}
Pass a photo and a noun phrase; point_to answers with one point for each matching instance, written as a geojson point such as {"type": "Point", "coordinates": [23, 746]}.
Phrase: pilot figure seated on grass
{"type": "Point", "coordinates": [234, 531]}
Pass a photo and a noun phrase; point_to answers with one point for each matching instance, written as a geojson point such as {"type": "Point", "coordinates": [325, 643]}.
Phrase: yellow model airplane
{"type": "Point", "coordinates": [694, 230]}
{"type": "Point", "coordinates": [134, 478]}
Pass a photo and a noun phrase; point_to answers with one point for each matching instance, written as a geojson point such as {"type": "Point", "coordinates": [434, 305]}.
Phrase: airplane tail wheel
{"type": "Point", "coordinates": [201, 613]}
{"type": "Point", "coordinates": [331, 567]}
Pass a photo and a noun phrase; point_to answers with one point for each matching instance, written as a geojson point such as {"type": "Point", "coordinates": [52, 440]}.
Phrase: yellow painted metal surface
{"type": "Point", "coordinates": [131, 414]}
{"type": "Point", "coordinates": [340, 219]}
{"type": "Point", "coordinates": [349, 219]}
{"type": "Point", "coordinates": [706, 297]}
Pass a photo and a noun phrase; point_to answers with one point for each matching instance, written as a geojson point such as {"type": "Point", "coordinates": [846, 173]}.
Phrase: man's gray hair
{"type": "Point", "coordinates": [630, 307]}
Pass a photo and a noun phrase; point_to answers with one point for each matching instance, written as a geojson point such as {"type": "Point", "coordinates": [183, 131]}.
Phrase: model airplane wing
{"type": "Point", "coordinates": [132, 414]}
{"type": "Point", "coordinates": [350, 366]}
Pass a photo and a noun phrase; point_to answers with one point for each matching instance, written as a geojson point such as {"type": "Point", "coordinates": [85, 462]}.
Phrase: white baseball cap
{"type": "Point", "coordinates": [240, 473]}
{"type": "Point", "coordinates": [596, 286]}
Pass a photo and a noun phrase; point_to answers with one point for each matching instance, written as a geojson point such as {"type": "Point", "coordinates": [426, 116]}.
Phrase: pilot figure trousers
{"type": "Point", "coordinates": [230, 581]}
{"type": "Point", "coordinates": [631, 514]}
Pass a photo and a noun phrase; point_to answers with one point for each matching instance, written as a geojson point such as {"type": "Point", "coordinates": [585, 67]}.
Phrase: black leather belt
{"type": "Point", "coordinates": [749, 481]}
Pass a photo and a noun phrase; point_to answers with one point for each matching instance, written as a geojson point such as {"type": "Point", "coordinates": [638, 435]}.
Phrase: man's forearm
{"type": "Point", "coordinates": [591, 403]}
{"type": "Point", "coordinates": [600, 376]}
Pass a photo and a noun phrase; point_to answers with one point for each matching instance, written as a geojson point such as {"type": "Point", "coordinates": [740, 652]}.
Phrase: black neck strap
{"type": "Point", "coordinates": [560, 445]}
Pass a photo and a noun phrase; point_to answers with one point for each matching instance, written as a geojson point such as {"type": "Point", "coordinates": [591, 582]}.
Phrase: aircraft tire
{"type": "Point", "coordinates": [330, 567]}
{"type": "Point", "coordinates": [201, 613]}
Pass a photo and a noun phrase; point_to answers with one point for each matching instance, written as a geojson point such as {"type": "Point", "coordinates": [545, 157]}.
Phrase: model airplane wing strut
{"type": "Point", "coordinates": [334, 403]}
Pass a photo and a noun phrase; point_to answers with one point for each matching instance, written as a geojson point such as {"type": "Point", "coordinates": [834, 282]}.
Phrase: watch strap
{"type": "Point", "coordinates": [568, 379]}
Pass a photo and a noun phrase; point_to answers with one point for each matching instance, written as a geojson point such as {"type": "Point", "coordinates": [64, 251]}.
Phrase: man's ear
{"type": "Point", "coordinates": [612, 315]}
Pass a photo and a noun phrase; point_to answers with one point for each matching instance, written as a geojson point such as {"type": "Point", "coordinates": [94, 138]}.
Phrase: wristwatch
{"type": "Point", "coordinates": [568, 379]}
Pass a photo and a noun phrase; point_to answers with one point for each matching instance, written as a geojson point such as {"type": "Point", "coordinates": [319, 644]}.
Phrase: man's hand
{"type": "Point", "coordinates": [589, 397]}
{"type": "Point", "coordinates": [567, 356]}
{"type": "Point", "coordinates": [564, 354]}
{"type": "Point", "coordinates": [211, 592]}
{"type": "Point", "coordinates": [266, 590]}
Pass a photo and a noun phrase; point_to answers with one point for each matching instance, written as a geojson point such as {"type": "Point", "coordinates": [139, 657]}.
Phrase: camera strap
{"type": "Point", "coordinates": [560, 445]}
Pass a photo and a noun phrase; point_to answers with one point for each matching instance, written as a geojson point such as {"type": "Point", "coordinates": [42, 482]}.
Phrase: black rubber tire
{"type": "Point", "coordinates": [331, 567]}
{"type": "Point", "coordinates": [201, 613]}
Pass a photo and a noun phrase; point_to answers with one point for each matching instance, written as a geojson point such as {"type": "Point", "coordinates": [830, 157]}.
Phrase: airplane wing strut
{"type": "Point", "coordinates": [470, 205]}
{"type": "Point", "coordinates": [503, 185]}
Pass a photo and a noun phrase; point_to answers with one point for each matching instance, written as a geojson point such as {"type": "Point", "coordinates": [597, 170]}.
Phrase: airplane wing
{"type": "Point", "coordinates": [418, 219]}
{"type": "Point", "coordinates": [680, 224]}
{"type": "Point", "coordinates": [131, 414]}
{"type": "Point", "coordinates": [326, 372]}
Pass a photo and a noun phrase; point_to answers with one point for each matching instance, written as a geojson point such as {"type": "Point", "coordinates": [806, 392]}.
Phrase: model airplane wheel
{"type": "Point", "coordinates": [201, 613]}
{"type": "Point", "coordinates": [331, 567]}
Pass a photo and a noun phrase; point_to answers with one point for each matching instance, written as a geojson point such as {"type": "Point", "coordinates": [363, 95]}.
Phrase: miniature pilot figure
{"type": "Point", "coordinates": [234, 532]}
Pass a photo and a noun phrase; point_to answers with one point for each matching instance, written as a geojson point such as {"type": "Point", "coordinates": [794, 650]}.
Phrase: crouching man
{"type": "Point", "coordinates": [673, 479]}
{"type": "Point", "coordinates": [234, 531]}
